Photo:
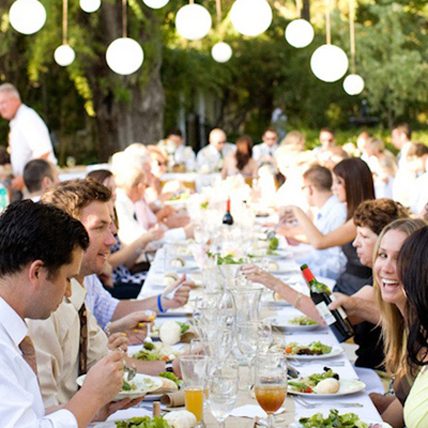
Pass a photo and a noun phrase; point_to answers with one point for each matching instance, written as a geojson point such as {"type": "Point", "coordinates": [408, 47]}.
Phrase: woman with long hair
{"type": "Point", "coordinates": [413, 272]}
{"type": "Point", "coordinates": [241, 161]}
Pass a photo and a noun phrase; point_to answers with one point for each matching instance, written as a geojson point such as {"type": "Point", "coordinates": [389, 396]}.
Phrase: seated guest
{"type": "Point", "coordinates": [264, 152]}
{"type": "Point", "coordinates": [41, 249]}
{"type": "Point", "coordinates": [241, 161]}
{"type": "Point", "coordinates": [71, 340]}
{"type": "Point", "coordinates": [370, 217]}
{"type": "Point", "coordinates": [39, 175]}
{"type": "Point", "coordinates": [181, 157]}
{"type": "Point", "coordinates": [125, 284]}
{"type": "Point", "coordinates": [329, 215]}
{"type": "Point", "coordinates": [329, 153]}
{"type": "Point", "coordinates": [413, 273]}
{"type": "Point", "coordinates": [210, 158]}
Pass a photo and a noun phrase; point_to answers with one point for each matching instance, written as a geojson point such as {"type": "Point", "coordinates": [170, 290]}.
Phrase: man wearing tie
{"type": "Point", "coordinates": [263, 153]}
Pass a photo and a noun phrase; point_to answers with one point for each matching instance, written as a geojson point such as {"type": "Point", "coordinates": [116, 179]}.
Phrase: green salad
{"type": "Point", "coordinates": [307, 384]}
{"type": "Point", "coordinates": [273, 246]}
{"type": "Point", "coordinates": [128, 386]}
{"type": "Point", "coordinates": [143, 422]}
{"type": "Point", "coordinates": [302, 320]}
{"type": "Point", "coordinates": [171, 376]}
{"type": "Point", "coordinates": [333, 420]}
{"type": "Point", "coordinates": [314, 348]}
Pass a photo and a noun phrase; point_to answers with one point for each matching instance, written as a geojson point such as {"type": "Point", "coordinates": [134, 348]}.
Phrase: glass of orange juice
{"type": "Point", "coordinates": [271, 382]}
{"type": "Point", "coordinates": [194, 373]}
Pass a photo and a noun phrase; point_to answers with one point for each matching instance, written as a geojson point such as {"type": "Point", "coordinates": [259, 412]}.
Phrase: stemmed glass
{"type": "Point", "coordinates": [246, 336]}
{"type": "Point", "coordinates": [271, 382]}
{"type": "Point", "coordinates": [223, 390]}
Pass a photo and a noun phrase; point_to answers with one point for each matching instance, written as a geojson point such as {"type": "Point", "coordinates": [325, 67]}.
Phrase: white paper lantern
{"type": "Point", "coordinates": [251, 17]}
{"type": "Point", "coordinates": [329, 63]}
{"type": "Point", "coordinates": [299, 33]}
{"type": "Point", "coordinates": [90, 6]}
{"type": "Point", "coordinates": [64, 55]}
{"type": "Point", "coordinates": [27, 16]}
{"type": "Point", "coordinates": [124, 56]}
{"type": "Point", "coordinates": [353, 84]}
{"type": "Point", "coordinates": [155, 4]}
{"type": "Point", "coordinates": [221, 52]}
{"type": "Point", "coordinates": [193, 21]}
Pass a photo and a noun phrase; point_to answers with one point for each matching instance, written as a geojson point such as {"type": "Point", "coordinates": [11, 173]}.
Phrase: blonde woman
{"type": "Point", "coordinates": [391, 300]}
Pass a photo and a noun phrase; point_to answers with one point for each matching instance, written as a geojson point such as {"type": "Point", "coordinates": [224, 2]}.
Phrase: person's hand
{"type": "Point", "coordinates": [176, 368]}
{"type": "Point", "coordinates": [289, 215]}
{"type": "Point", "coordinates": [154, 234]}
{"type": "Point", "coordinates": [106, 276]}
{"type": "Point", "coordinates": [348, 303]}
{"type": "Point", "coordinates": [118, 341]}
{"type": "Point", "coordinates": [104, 380]}
{"type": "Point", "coordinates": [114, 406]}
{"type": "Point", "coordinates": [177, 295]}
{"type": "Point", "coordinates": [134, 325]}
{"type": "Point", "coordinates": [381, 401]}
{"type": "Point", "coordinates": [256, 274]}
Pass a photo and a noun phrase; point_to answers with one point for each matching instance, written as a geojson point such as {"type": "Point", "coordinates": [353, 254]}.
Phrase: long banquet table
{"type": "Point", "coordinates": [294, 408]}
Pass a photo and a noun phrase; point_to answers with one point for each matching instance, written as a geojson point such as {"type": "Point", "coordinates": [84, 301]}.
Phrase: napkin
{"type": "Point", "coordinates": [173, 399]}
{"type": "Point", "coordinates": [248, 411]}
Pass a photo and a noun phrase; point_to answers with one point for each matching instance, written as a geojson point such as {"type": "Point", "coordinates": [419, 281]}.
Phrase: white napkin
{"type": "Point", "coordinates": [248, 411]}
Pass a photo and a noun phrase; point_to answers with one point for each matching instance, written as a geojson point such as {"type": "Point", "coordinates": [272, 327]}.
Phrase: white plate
{"type": "Point", "coordinates": [347, 387]}
{"type": "Point", "coordinates": [285, 323]}
{"type": "Point", "coordinates": [144, 384]}
{"type": "Point", "coordinates": [333, 353]}
{"type": "Point", "coordinates": [370, 424]}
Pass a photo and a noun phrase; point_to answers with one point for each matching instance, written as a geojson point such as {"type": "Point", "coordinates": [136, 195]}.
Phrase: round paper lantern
{"type": "Point", "coordinates": [221, 52]}
{"type": "Point", "coordinates": [90, 6]}
{"type": "Point", "coordinates": [155, 4]}
{"type": "Point", "coordinates": [299, 33]}
{"type": "Point", "coordinates": [27, 16]}
{"type": "Point", "coordinates": [329, 63]}
{"type": "Point", "coordinates": [251, 17]}
{"type": "Point", "coordinates": [124, 56]}
{"type": "Point", "coordinates": [353, 84]}
{"type": "Point", "coordinates": [64, 55]}
{"type": "Point", "coordinates": [193, 21]}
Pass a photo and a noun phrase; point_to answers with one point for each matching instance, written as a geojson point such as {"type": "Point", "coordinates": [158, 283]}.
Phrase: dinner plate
{"type": "Point", "coordinates": [144, 384]}
{"type": "Point", "coordinates": [347, 387]}
{"type": "Point", "coordinates": [284, 323]}
{"type": "Point", "coordinates": [333, 353]}
{"type": "Point", "coordinates": [297, 424]}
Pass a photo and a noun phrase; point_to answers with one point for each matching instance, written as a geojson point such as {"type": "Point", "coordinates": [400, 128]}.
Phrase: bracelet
{"type": "Point", "coordinates": [168, 367]}
{"type": "Point", "coordinates": [107, 329]}
{"type": "Point", "coordinates": [298, 299]}
{"type": "Point", "coordinates": [160, 308]}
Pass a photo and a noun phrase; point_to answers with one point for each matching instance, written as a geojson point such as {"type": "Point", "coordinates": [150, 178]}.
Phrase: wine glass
{"type": "Point", "coordinates": [271, 382]}
{"type": "Point", "coordinates": [246, 336]}
{"type": "Point", "coordinates": [223, 390]}
{"type": "Point", "coordinates": [265, 336]}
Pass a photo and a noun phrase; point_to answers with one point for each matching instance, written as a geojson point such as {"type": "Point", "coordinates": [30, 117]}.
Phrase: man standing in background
{"type": "Point", "coordinates": [28, 137]}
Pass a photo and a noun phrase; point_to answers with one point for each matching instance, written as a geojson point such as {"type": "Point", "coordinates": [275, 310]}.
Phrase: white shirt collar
{"type": "Point", "coordinates": [78, 294]}
{"type": "Point", "coordinates": [12, 323]}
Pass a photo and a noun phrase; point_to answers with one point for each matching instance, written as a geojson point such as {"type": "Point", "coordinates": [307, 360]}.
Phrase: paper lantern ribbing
{"type": "Point", "coordinates": [90, 6]}
{"type": "Point", "coordinates": [124, 56]}
{"type": "Point", "coordinates": [221, 52]}
{"type": "Point", "coordinates": [329, 63]}
{"type": "Point", "coordinates": [27, 16]}
{"type": "Point", "coordinates": [353, 84]}
{"type": "Point", "coordinates": [155, 4]}
{"type": "Point", "coordinates": [64, 55]}
{"type": "Point", "coordinates": [193, 21]}
{"type": "Point", "coordinates": [299, 33]}
{"type": "Point", "coordinates": [251, 17]}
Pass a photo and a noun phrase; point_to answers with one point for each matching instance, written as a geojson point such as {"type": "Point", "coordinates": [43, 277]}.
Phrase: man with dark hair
{"type": "Point", "coordinates": [41, 249]}
{"type": "Point", "coordinates": [264, 152]}
{"type": "Point", "coordinates": [58, 341]}
{"type": "Point", "coordinates": [39, 175]}
{"type": "Point", "coordinates": [180, 156]}
{"type": "Point", "coordinates": [328, 215]}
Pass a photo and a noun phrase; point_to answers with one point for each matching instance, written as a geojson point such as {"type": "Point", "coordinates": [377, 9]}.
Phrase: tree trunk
{"type": "Point", "coordinates": [130, 108]}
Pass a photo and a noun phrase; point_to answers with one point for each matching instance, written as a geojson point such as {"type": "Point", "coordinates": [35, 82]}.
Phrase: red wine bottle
{"type": "Point", "coordinates": [227, 218]}
{"type": "Point", "coordinates": [321, 295]}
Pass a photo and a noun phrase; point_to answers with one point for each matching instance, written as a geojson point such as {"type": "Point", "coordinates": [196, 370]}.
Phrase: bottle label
{"type": "Point", "coordinates": [339, 309]}
{"type": "Point", "coordinates": [325, 313]}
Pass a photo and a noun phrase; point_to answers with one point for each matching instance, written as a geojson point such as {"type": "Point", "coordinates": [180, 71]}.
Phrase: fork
{"type": "Point", "coordinates": [313, 405]}
{"type": "Point", "coordinates": [130, 372]}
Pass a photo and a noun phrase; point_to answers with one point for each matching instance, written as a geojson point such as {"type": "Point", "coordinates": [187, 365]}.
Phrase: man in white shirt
{"type": "Point", "coordinates": [401, 138]}
{"type": "Point", "coordinates": [178, 153]}
{"type": "Point", "coordinates": [41, 249]}
{"type": "Point", "coordinates": [28, 136]}
{"type": "Point", "coordinates": [210, 158]}
{"type": "Point", "coordinates": [329, 214]}
{"type": "Point", "coordinates": [264, 153]}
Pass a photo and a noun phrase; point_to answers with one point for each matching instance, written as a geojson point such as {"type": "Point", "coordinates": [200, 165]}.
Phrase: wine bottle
{"type": "Point", "coordinates": [321, 296]}
{"type": "Point", "coordinates": [227, 218]}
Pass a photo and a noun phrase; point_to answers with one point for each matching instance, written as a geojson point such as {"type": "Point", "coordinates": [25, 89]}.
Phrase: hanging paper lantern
{"type": "Point", "coordinates": [329, 63]}
{"type": "Point", "coordinates": [27, 16]}
{"type": "Point", "coordinates": [299, 33]}
{"type": "Point", "coordinates": [353, 84]}
{"type": "Point", "coordinates": [221, 52]}
{"type": "Point", "coordinates": [124, 56]}
{"type": "Point", "coordinates": [64, 55]}
{"type": "Point", "coordinates": [251, 17]}
{"type": "Point", "coordinates": [193, 21]}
